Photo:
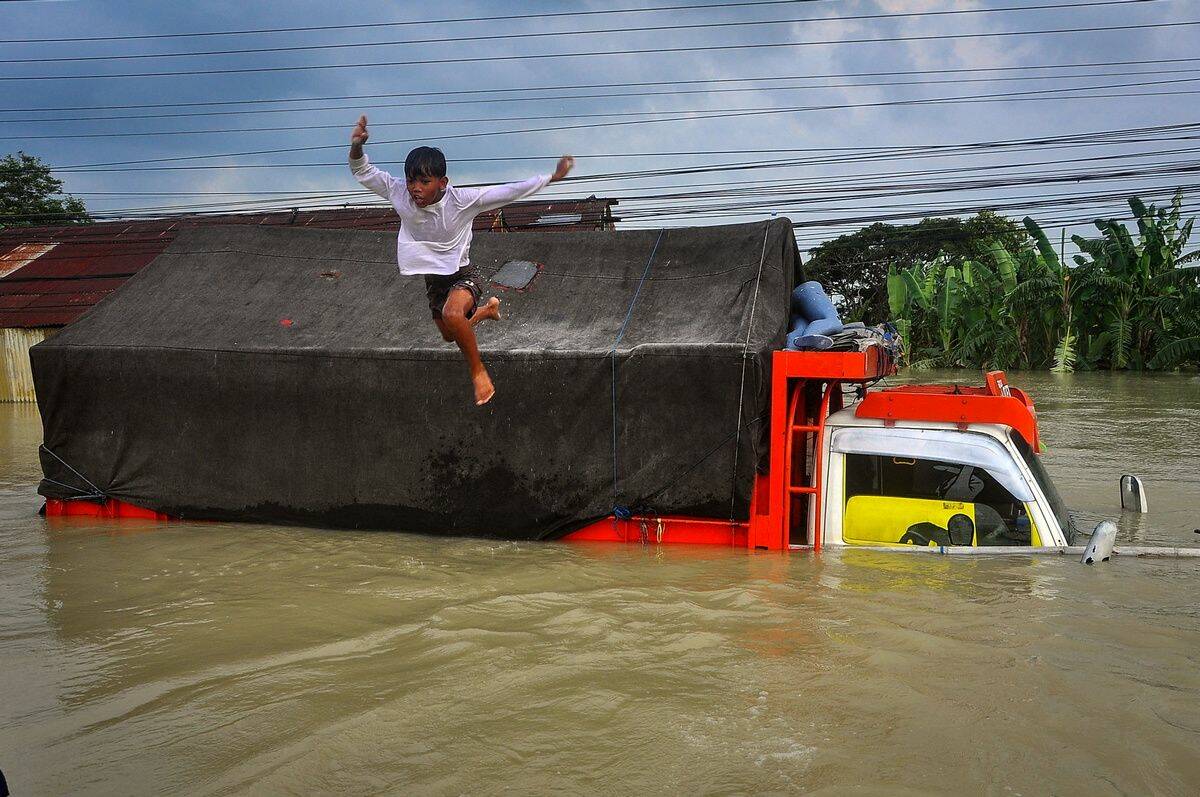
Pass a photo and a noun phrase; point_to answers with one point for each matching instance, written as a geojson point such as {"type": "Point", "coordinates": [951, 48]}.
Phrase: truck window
{"type": "Point", "coordinates": [922, 502]}
{"type": "Point", "coordinates": [1043, 479]}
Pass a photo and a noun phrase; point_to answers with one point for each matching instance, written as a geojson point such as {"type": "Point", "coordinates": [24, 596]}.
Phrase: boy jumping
{"type": "Point", "coordinates": [435, 238]}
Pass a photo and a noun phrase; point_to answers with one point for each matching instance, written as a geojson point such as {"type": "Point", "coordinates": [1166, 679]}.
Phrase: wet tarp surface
{"type": "Point", "coordinates": [295, 376]}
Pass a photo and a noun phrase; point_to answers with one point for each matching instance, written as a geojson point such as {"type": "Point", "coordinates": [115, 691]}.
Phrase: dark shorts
{"type": "Point", "coordinates": [438, 287]}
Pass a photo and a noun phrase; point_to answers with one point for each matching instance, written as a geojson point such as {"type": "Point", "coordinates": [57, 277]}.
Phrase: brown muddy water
{"type": "Point", "coordinates": [237, 659]}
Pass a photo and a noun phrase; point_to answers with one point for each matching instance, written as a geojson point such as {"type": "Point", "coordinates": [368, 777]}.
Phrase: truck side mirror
{"type": "Point", "coordinates": [1100, 546]}
{"type": "Point", "coordinates": [1133, 494]}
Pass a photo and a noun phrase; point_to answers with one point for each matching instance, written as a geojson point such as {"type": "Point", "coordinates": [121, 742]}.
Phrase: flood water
{"type": "Point", "coordinates": [237, 659]}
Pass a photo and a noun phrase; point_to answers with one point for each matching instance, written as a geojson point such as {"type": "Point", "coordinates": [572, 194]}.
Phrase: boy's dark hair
{"type": "Point", "coordinates": [425, 162]}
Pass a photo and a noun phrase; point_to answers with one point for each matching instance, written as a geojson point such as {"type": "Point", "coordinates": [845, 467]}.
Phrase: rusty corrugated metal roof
{"type": "Point", "coordinates": [81, 264]}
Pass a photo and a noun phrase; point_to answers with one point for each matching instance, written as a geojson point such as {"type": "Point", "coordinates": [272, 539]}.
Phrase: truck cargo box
{"type": "Point", "coordinates": [293, 375]}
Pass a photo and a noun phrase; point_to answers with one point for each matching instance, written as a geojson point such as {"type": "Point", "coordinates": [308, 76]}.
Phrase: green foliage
{"type": "Point", "coordinates": [1064, 354]}
{"type": "Point", "coordinates": [1125, 303]}
{"type": "Point", "coordinates": [856, 266]}
{"type": "Point", "coordinates": [897, 293]}
{"type": "Point", "coordinates": [30, 195]}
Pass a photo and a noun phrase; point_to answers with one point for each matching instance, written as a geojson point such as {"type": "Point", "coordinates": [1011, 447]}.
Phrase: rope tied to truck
{"type": "Point", "coordinates": [620, 511]}
{"type": "Point", "coordinates": [96, 493]}
{"type": "Point", "coordinates": [737, 421]}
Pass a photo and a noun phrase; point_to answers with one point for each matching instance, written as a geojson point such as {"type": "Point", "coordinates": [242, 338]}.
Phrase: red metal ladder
{"type": "Point", "coordinates": [805, 427]}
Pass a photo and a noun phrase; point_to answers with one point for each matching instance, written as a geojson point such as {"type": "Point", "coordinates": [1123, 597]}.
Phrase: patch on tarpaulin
{"type": "Point", "coordinates": [516, 274]}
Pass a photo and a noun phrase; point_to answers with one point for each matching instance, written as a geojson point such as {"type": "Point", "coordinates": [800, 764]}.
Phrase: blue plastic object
{"type": "Point", "coordinates": [824, 326]}
{"type": "Point", "coordinates": [813, 318]}
{"type": "Point", "coordinates": [810, 301]}
{"type": "Point", "coordinates": [798, 341]}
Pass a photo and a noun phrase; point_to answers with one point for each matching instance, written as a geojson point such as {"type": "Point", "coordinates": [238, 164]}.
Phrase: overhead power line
{"type": "Point", "coordinates": [806, 234]}
{"type": "Point", "coordinates": [908, 210]}
{"type": "Point", "coordinates": [603, 53]}
{"type": "Point", "coordinates": [781, 203]}
{"type": "Point", "coordinates": [493, 90]}
{"type": "Point", "coordinates": [824, 188]}
{"type": "Point", "coordinates": [1058, 92]}
{"type": "Point", "coordinates": [810, 184]}
{"type": "Point", "coordinates": [668, 92]}
{"type": "Point", "coordinates": [816, 155]}
{"type": "Point", "coordinates": [827, 189]}
{"type": "Point", "coordinates": [784, 197]}
{"type": "Point", "coordinates": [801, 193]}
{"type": "Point", "coordinates": [840, 155]}
{"type": "Point", "coordinates": [894, 181]}
{"type": "Point", "coordinates": [1097, 206]}
{"type": "Point", "coordinates": [556, 34]}
{"type": "Point", "coordinates": [808, 238]}
{"type": "Point", "coordinates": [408, 23]}
{"type": "Point", "coordinates": [774, 196]}
{"type": "Point", "coordinates": [867, 217]}
{"type": "Point", "coordinates": [1004, 97]}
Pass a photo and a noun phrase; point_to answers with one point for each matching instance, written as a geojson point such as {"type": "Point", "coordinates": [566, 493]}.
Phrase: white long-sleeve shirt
{"type": "Point", "coordinates": [436, 239]}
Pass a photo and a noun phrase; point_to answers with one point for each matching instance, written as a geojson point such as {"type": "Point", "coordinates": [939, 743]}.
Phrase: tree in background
{"type": "Point", "coordinates": [855, 266]}
{"type": "Point", "coordinates": [30, 196]}
{"type": "Point", "coordinates": [1144, 310]}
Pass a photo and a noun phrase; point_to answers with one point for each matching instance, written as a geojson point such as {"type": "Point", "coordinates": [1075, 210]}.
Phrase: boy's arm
{"type": "Point", "coordinates": [372, 178]}
{"type": "Point", "coordinates": [498, 196]}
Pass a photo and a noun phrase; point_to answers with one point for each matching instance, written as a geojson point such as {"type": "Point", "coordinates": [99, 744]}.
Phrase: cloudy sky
{"type": "Point", "coordinates": [819, 101]}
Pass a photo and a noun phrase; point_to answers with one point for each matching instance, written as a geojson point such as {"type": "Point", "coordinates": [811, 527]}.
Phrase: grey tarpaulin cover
{"type": "Point", "coordinates": [293, 375]}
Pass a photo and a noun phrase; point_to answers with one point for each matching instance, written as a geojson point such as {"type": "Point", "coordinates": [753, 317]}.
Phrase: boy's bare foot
{"type": "Point", "coordinates": [489, 312]}
{"type": "Point", "coordinates": [484, 390]}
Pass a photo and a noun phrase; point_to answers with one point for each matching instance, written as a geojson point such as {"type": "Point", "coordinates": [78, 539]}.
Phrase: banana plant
{"type": "Point", "coordinates": [1125, 301]}
{"type": "Point", "coordinates": [1050, 289]}
{"type": "Point", "coordinates": [1137, 288]}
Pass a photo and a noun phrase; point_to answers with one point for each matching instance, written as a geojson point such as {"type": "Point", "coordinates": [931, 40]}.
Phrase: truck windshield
{"type": "Point", "coordinates": [1043, 479]}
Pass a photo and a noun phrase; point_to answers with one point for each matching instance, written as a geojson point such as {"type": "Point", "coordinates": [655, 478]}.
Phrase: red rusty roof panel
{"type": "Point", "coordinates": [84, 299]}
{"type": "Point", "coordinates": [38, 318]}
{"type": "Point", "coordinates": [14, 301]}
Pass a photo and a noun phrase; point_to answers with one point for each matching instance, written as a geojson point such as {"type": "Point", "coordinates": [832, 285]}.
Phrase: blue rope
{"type": "Point", "coordinates": [613, 353]}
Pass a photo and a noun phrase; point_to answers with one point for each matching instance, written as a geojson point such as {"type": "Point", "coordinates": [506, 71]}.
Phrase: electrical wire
{"type": "Point", "coordinates": [407, 23]}
{"type": "Point", "coordinates": [611, 95]}
{"type": "Point", "coordinates": [775, 165]}
{"type": "Point", "coordinates": [843, 154]}
{"type": "Point", "coordinates": [493, 90]}
{"type": "Point", "coordinates": [832, 186]}
{"type": "Point", "coordinates": [557, 34]}
{"type": "Point", "coordinates": [1000, 97]}
{"type": "Point", "coordinates": [544, 117]}
{"type": "Point", "coordinates": [816, 194]}
{"type": "Point", "coordinates": [909, 211]}
{"type": "Point", "coordinates": [153, 244]}
{"type": "Point", "coordinates": [604, 53]}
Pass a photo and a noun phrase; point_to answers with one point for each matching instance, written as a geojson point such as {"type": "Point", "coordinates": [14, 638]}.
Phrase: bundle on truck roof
{"type": "Point", "coordinates": [286, 375]}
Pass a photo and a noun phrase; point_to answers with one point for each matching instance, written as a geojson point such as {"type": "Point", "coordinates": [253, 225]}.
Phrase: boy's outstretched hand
{"type": "Point", "coordinates": [565, 164]}
{"type": "Point", "coordinates": [360, 135]}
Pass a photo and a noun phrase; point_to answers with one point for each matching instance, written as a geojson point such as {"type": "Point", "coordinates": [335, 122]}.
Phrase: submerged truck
{"type": "Point", "coordinates": [644, 395]}
{"type": "Point", "coordinates": [911, 465]}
